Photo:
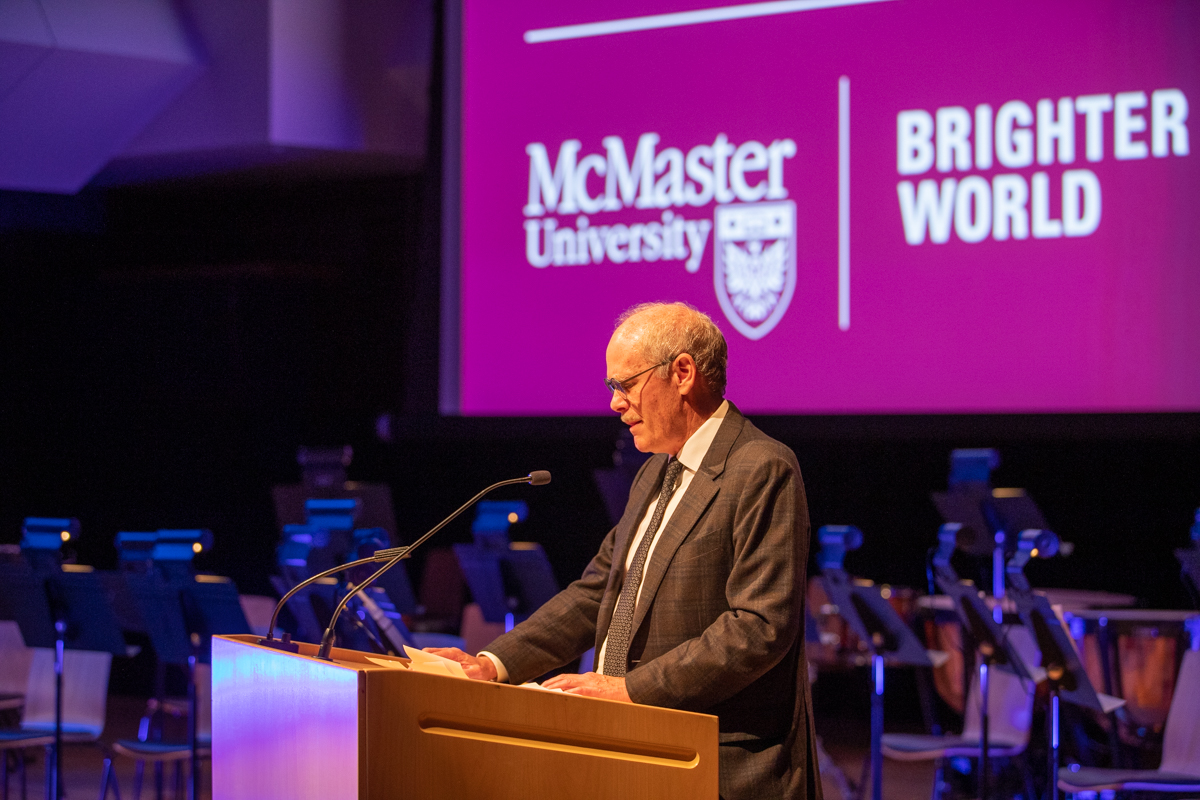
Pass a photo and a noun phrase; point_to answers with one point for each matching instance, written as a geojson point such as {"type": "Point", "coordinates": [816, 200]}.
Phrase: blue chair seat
{"type": "Point", "coordinates": [24, 738]}
{"type": "Point", "coordinates": [1135, 780]}
{"type": "Point", "coordinates": [159, 751]}
{"type": "Point", "coordinates": [922, 747]}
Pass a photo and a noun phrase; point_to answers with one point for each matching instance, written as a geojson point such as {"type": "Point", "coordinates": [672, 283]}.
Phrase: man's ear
{"type": "Point", "coordinates": [685, 374]}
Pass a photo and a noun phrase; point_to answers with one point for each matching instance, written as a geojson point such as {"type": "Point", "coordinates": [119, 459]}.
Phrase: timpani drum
{"type": "Point", "coordinates": [1134, 654]}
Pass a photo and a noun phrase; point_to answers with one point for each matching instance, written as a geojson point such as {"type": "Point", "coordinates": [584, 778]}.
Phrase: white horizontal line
{"type": "Point", "coordinates": [681, 18]}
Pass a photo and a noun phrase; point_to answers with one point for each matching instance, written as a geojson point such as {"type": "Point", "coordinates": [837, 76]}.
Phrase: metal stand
{"type": "Point", "coordinates": [877, 728]}
{"type": "Point", "coordinates": [193, 709]}
{"type": "Point", "coordinates": [983, 626]}
{"type": "Point", "coordinates": [1052, 728]}
{"type": "Point", "coordinates": [1064, 674]}
{"type": "Point", "coordinates": [874, 620]}
{"type": "Point", "coordinates": [54, 777]}
{"type": "Point", "coordinates": [983, 732]}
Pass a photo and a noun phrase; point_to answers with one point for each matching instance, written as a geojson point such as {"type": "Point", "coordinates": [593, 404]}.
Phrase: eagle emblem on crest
{"type": "Point", "coordinates": [754, 262]}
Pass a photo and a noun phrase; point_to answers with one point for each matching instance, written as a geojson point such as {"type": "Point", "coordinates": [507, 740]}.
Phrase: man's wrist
{"type": "Point", "coordinates": [490, 666]}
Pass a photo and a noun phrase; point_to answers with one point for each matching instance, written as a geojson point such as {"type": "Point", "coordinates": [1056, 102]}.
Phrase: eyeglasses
{"type": "Point", "coordinates": [618, 386]}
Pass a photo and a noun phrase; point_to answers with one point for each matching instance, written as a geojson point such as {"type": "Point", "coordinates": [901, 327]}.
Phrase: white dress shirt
{"type": "Point", "coordinates": [691, 455]}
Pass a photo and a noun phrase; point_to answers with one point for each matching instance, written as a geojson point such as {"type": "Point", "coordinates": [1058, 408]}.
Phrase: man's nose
{"type": "Point", "coordinates": [619, 402]}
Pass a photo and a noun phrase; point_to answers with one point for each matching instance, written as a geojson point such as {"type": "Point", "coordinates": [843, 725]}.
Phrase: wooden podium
{"type": "Point", "coordinates": [292, 726]}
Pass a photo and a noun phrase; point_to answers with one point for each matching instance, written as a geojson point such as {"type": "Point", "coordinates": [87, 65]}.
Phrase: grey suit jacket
{"type": "Point", "coordinates": [719, 626]}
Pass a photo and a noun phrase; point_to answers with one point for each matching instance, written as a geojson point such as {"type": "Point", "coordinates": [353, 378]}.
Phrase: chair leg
{"type": "Point", "coordinates": [863, 778]}
{"type": "Point", "coordinates": [109, 776]}
{"type": "Point", "coordinates": [4, 772]}
{"type": "Point", "coordinates": [138, 774]}
{"type": "Point", "coordinates": [177, 792]}
{"type": "Point", "coordinates": [158, 780]}
{"type": "Point", "coordinates": [1030, 792]}
{"type": "Point", "coordinates": [939, 778]}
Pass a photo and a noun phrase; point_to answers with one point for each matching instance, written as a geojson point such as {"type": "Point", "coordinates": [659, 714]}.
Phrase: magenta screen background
{"type": "Point", "coordinates": [1108, 322]}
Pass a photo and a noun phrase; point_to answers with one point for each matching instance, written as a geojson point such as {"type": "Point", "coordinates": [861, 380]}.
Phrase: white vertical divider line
{"type": "Point", "coordinates": [844, 203]}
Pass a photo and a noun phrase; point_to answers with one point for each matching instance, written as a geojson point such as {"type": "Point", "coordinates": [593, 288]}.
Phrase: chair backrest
{"type": "Point", "coordinates": [1181, 738]}
{"type": "Point", "coordinates": [14, 659]}
{"type": "Point", "coordinates": [1010, 709]}
{"type": "Point", "coordinates": [258, 611]}
{"type": "Point", "coordinates": [204, 701]}
{"type": "Point", "coordinates": [442, 585]}
{"type": "Point", "coordinates": [85, 692]}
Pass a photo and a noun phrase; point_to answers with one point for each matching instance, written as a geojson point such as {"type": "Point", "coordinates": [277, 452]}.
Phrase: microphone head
{"type": "Point", "coordinates": [539, 477]}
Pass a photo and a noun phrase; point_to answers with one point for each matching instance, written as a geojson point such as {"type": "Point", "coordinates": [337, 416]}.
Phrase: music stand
{"type": "Point", "coordinates": [508, 584]}
{"type": "Point", "coordinates": [530, 570]}
{"type": "Point", "coordinates": [997, 651]}
{"type": "Point", "coordinates": [509, 580]}
{"type": "Point", "coordinates": [977, 620]}
{"type": "Point", "coordinates": [65, 610]}
{"type": "Point", "coordinates": [1064, 673]}
{"type": "Point", "coordinates": [888, 639]}
{"type": "Point", "coordinates": [1189, 560]}
{"type": "Point", "coordinates": [211, 607]}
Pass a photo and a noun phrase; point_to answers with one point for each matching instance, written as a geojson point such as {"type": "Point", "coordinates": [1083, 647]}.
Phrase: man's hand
{"type": "Point", "coordinates": [591, 684]}
{"type": "Point", "coordinates": [478, 669]}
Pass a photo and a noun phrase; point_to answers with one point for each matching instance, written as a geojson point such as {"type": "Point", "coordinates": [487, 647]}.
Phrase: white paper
{"type": "Point", "coordinates": [436, 665]}
{"type": "Point", "coordinates": [386, 662]}
{"type": "Point", "coordinates": [432, 668]}
{"type": "Point", "coordinates": [539, 687]}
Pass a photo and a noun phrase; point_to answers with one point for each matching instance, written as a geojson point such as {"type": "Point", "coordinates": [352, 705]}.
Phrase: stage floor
{"type": "Point", "coordinates": [845, 740]}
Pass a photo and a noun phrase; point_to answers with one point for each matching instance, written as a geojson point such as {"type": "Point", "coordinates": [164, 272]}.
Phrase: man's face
{"type": "Point", "coordinates": [653, 407]}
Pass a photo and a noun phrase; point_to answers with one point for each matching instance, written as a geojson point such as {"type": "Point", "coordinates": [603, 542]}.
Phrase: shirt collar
{"type": "Point", "coordinates": [691, 455]}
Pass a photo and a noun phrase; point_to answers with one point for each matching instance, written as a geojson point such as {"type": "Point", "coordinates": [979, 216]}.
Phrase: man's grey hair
{"type": "Point", "coordinates": [671, 329]}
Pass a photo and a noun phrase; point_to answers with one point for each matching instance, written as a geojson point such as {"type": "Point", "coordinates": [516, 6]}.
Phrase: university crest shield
{"type": "Point", "coordinates": [754, 264]}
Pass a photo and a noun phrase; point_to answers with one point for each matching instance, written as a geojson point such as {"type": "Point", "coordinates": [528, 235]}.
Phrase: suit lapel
{"type": "Point", "coordinates": [700, 492]}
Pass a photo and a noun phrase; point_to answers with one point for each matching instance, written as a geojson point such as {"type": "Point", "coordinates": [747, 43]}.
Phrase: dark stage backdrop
{"type": "Point", "coordinates": [161, 366]}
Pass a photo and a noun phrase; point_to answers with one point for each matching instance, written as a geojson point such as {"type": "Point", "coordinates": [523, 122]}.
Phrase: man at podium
{"type": "Point", "coordinates": [695, 600]}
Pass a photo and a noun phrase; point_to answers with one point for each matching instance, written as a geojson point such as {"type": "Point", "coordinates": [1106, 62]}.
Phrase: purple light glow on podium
{"type": "Point", "coordinates": [269, 711]}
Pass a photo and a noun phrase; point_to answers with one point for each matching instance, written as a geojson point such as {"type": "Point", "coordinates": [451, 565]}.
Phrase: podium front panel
{"type": "Point", "coordinates": [467, 738]}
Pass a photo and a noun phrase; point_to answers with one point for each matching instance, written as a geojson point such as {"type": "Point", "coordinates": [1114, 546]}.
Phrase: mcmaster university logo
{"type": "Point", "coordinates": [569, 217]}
{"type": "Point", "coordinates": [754, 264]}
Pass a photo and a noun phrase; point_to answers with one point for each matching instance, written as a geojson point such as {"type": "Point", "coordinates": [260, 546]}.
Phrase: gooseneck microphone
{"type": "Point", "coordinates": [394, 555]}
{"type": "Point", "coordinates": [286, 642]}
{"type": "Point", "coordinates": [536, 478]}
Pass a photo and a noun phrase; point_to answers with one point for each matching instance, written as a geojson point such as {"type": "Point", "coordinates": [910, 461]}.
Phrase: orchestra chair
{"type": "Point", "coordinates": [162, 753]}
{"type": "Point", "coordinates": [14, 667]}
{"type": "Point", "coordinates": [1010, 713]}
{"type": "Point", "coordinates": [14, 673]}
{"type": "Point", "coordinates": [1179, 770]}
{"type": "Point", "coordinates": [84, 703]}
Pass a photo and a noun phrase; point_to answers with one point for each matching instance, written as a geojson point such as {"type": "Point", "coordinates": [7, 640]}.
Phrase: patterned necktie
{"type": "Point", "coordinates": [616, 652]}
